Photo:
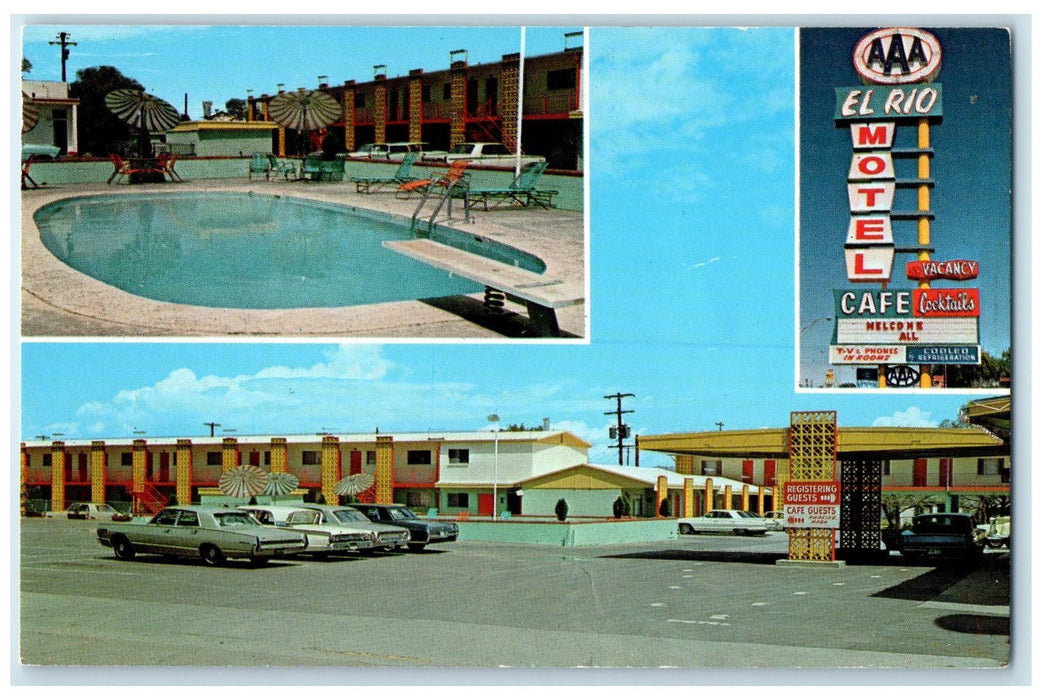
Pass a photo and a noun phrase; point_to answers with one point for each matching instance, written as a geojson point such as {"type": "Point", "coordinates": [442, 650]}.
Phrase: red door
{"type": "Point", "coordinates": [919, 472]}
{"type": "Point", "coordinates": [484, 504]}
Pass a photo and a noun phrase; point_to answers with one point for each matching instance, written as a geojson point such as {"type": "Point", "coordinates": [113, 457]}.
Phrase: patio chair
{"type": "Point", "coordinates": [26, 177]}
{"type": "Point", "coordinates": [521, 191]}
{"type": "Point", "coordinates": [165, 161]}
{"type": "Point", "coordinates": [401, 176]}
{"type": "Point", "coordinates": [281, 167]}
{"type": "Point", "coordinates": [259, 164]}
{"type": "Point", "coordinates": [452, 179]}
{"type": "Point", "coordinates": [124, 167]}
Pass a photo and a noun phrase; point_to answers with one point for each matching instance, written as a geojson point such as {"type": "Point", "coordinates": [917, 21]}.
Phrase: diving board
{"type": "Point", "coordinates": [541, 295]}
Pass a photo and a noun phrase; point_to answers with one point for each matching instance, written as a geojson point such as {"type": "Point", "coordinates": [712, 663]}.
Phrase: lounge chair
{"type": "Point", "coordinates": [259, 163]}
{"type": "Point", "coordinates": [521, 191]}
{"type": "Point", "coordinates": [318, 169]}
{"type": "Point", "coordinates": [371, 184]}
{"type": "Point", "coordinates": [281, 167]}
{"type": "Point", "coordinates": [452, 178]}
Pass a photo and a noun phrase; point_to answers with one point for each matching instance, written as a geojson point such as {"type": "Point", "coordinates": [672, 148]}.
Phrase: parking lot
{"type": "Point", "coordinates": [703, 601]}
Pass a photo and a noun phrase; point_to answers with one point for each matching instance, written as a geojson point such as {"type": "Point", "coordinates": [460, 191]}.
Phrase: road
{"type": "Point", "coordinates": [702, 602]}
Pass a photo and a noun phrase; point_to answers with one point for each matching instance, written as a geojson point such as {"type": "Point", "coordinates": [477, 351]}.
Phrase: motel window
{"type": "Point", "coordinates": [418, 457]}
{"type": "Point", "coordinates": [459, 500]}
{"type": "Point", "coordinates": [563, 79]}
{"type": "Point", "coordinates": [711, 467]}
{"type": "Point", "coordinates": [370, 457]}
{"type": "Point", "coordinates": [126, 459]}
{"type": "Point", "coordinates": [359, 99]}
{"type": "Point", "coordinates": [425, 93]}
{"type": "Point", "coordinates": [884, 466]}
{"type": "Point", "coordinates": [267, 457]}
{"type": "Point", "coordinates": [989, 466]}
{"type": "Point", "coordinates": [459, 456]}
{"type": "Point", "coordinates": [46, 459]}
{"type": "Point", "coordinates": [310, 457]}
{"type": "Point", "coordinates": [213, 459]}
{"type": "Point", "coordinates": [446, 91]}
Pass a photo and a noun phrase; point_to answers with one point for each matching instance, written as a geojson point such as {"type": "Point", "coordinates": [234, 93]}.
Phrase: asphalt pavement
{"type": "Point", "coordinates": [707, 602]}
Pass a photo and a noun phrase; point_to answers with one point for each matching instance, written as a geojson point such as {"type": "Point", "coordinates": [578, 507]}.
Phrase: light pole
{"type": "Point", "coordinates": [494, 418]}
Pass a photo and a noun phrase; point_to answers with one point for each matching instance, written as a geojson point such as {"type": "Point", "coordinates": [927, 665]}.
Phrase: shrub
{"type": "Point", "coordinates": [664, 509]}
{"type": "Point", "coordinates": [561, 509]}
{"type": "Point", "coordinates": [617, 507]}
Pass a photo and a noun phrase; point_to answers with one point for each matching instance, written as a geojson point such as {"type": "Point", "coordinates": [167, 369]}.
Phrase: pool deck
{"type": "Point", "coordinates": [59, 301]}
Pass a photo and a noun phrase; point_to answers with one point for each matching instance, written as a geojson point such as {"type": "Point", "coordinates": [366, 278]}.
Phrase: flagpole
{"type": "Point", "coordinates": [520, 104]}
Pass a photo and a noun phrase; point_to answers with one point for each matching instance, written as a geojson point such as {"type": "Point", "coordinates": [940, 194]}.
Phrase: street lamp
{"type": "Point", "coordinates": [494, 418]}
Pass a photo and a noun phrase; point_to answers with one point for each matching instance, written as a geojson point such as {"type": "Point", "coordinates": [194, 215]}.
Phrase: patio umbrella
{"type": "Point", "coordinates": [146, 112]}
{"type": "Point", "coordinates": [304, 110]}
{"type": "Point", "coordinates": [142, 110]}
{"type": "Point", "coordinates": [353, 484]}
{"type": "Point", "coordinates": [243, 481]}
{"type": "Point", "coordinates": [30, 113]}
{"type": "Point", "coordinates": [279, 484]}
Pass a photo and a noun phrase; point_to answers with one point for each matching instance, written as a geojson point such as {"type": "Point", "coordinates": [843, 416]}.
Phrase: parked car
{"type": "Point", "coordinates": [490, 153]}
{"type": "Point", "coordinates": [96, 511]}
{"type": "Point", "coordinates": [775, 520]}
{"type": "Point", "coordinates": [324, 539]}
{"type": "Point", "coordinates": [422, 531]}
{"type": "Point", "coordinates": [942, 536]}
{"type": "Point", "coordinates": [211, 533]}
{"type": "Point", "coordinates": [387, 537]}
{"type": "Point", "coordinates": [739, 522]}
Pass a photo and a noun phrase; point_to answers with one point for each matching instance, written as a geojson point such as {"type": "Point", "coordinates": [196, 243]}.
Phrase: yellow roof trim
{"type": "Point", "coordinates": [583, 477]}
{"type": "Point", "coordinates": [224, 126]}
{"type": "Point", "coordinates": [565, 438]}
{"type": "Point", "coordinates": [880, 442]}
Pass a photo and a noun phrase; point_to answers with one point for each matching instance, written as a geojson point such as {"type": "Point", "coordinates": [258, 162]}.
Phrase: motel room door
{"type": "Point", "coordinates": [484, 504]}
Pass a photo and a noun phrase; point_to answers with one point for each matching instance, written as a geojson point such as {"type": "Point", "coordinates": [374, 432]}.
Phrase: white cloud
{"type": "Point", "coordinates": [913, 417]}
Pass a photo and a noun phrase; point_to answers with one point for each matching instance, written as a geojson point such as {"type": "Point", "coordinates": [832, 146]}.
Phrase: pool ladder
{"type": "Point", "coordinates": [446, 197]}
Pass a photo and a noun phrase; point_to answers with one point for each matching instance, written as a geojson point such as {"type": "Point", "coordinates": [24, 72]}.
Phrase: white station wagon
{"type": "Point", "coordinates": [739, 522]}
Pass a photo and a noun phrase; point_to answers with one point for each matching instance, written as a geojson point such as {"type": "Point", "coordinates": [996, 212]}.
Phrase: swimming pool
{"type": "Point", "coordinates": [251, 251]}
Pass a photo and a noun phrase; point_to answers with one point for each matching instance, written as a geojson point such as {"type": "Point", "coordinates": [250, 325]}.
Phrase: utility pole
{"type": "Point", "coordinates": [63, 41]}
{"type": "Point", "coordinates": [212, 426]}
{"type": "Point", "coordinates": [620, 430]}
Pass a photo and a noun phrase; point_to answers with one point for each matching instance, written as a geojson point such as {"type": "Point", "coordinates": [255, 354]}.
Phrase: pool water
{"type": "Point", "coordinates": [251, 251]}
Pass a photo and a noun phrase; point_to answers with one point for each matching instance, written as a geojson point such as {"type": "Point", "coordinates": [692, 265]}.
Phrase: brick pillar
{"type": "Point", "coordinates": [138, 468]}
{"type": "Point", "coordinates": [380, 109]}
{"type": "Point", "coordinates": [23, 459]}
{"type": "Point", "coordinates": [349, 115]}
{"type": "Point", "coordinates": [58, 475]}
{"type": "Point", "coordinates": [278, 455]}
{"type": "Point", "coordinates": [710, 503]}
{"type": "Point", "coordinates": [97, 471]}
{"type": "Point", "coordinates": [684, 464]}
{"type": "Point", "coordinates": [509, 74]}
{"type": "Point", "coordinates": [689, 498]}
{"type": "Point", "coordinates": [183, 475]}
{"type": "Point", "coordinates": [661, 493]}
{"type": "Point", "coordinates": [416, 105]}
{"type": "Point", "coordinates": [745, 496]}
{"type": "Point", "coordinates": [384, 469]}
{"type": "Point", "coordinates": [727, 498]}
{"type": "Point", "coordinates": [458, 104]}
{"type": "Point", "coordinates": [330, 467]}
{"type": "Point", "coordinates": [229, 453]}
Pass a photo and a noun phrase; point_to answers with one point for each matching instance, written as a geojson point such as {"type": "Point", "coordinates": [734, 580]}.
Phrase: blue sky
{"type": "Point", "coordinates": [692, 161]}
{"type": "Point", "coordinates": [220, 62]}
